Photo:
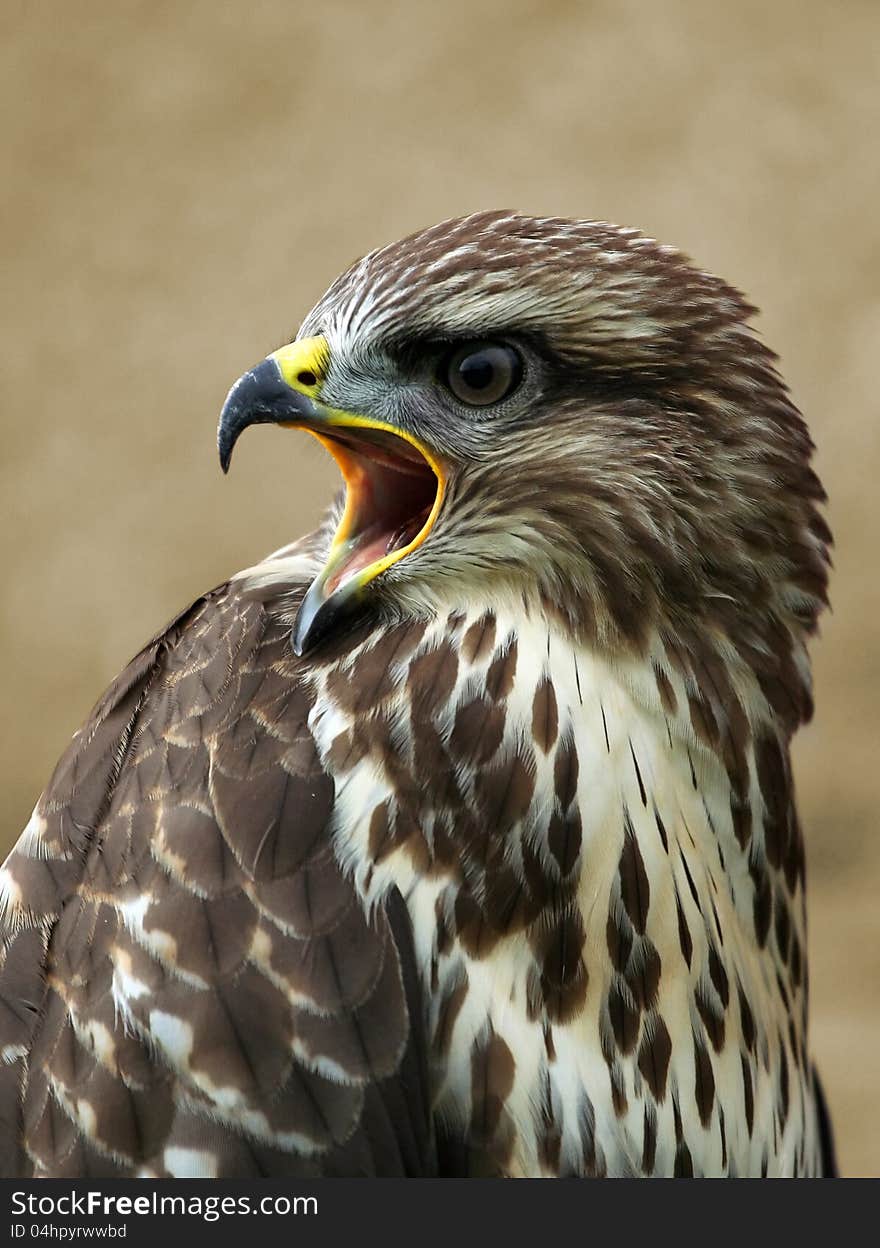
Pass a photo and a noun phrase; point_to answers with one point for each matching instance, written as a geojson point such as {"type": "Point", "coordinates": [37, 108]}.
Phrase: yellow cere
{"type": "Point", "coordinates": [303, 364]}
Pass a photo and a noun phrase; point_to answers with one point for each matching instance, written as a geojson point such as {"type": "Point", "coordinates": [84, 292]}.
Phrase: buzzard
{"type": "Point", "coordinates": [458, 837]}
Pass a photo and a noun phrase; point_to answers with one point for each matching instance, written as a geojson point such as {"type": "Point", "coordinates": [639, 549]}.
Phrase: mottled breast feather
{"type": "Point", "coordinates": [454, 896]}
{"type": "Point", "coordinates": [614, 971]}
{"type": "Point", "coordinates": [189, 984]}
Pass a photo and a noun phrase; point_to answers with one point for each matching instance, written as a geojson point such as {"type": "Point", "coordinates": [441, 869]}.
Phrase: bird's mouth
{"type": "Point", "coordinates": [393, 491]}
{"type": "Point", "coordinates": [394, 483]}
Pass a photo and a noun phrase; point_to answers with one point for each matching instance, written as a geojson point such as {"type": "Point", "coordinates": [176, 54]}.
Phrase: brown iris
{"type": "Point", "coordinates": [482, 373]}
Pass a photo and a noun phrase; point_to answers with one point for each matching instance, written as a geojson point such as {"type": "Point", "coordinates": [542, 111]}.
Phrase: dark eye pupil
{"type": "Point", "coordinates": [482, 373]}
{"type": "Point", "coordinates": [477, 372]}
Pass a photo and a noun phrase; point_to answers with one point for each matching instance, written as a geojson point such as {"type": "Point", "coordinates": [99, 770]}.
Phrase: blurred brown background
{"type": "Point", "coordinates": [180, 182]}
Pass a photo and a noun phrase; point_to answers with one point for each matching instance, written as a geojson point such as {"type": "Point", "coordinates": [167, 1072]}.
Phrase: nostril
{"type": "Point", "coordinates": [306, 377]}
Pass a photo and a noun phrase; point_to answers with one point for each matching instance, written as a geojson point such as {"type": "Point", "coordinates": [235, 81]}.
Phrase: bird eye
{"type": "Point", "coordinates": [481, 373]}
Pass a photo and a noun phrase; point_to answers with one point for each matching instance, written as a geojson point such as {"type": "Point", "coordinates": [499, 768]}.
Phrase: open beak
{"type": "Point", "coordinates": [394, 484]}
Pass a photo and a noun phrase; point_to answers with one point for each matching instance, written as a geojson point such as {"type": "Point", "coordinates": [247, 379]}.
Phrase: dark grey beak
{"type": "Point", "coordinates": [260, 397]}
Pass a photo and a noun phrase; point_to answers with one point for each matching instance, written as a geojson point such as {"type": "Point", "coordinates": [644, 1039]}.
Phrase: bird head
{"type": "Point", "coordinates": [560, 414]}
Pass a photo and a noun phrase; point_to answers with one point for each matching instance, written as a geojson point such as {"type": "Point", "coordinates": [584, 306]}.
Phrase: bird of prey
{"type": "Point", "coordinates": [458, 837]}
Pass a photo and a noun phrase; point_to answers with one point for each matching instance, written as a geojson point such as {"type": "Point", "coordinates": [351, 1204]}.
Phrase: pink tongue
{"type": "Point", "coordinates": [362, 557]}
{"type": "Point", "coordinates": [369, 549]}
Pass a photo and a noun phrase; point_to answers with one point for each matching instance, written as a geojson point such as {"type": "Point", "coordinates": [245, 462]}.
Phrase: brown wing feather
{"type": "Point", "coordinates": [188, 980]}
